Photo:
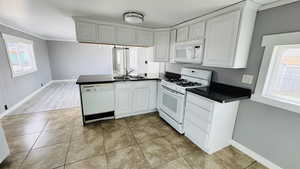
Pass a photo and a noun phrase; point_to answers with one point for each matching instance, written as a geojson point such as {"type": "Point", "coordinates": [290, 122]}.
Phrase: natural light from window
{"type": "Point", "coordinates": [20, 54]}
{"type": "Point", "coordinates": [283, 82]}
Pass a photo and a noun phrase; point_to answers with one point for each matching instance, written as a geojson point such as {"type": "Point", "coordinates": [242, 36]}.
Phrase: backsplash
{"type": "Point", "coordinates": [221, 75]}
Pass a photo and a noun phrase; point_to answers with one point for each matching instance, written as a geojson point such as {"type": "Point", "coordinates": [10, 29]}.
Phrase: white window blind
{"type": "Point", "coordinates": [20, 55]}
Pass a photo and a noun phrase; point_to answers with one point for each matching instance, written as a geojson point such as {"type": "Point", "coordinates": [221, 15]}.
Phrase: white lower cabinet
{"type": "Point", "coordinates": [135, 98]}
{"type": "Point", "coordinates": [209, 124]}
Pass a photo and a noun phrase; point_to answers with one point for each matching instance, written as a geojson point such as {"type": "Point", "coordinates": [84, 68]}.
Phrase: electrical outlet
{"type": "Point", "coordinates": [247, 79]}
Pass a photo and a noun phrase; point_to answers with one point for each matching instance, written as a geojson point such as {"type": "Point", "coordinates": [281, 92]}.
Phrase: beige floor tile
{"type": "Point", "coordinates": [83, 149]}
{"type": "Point", "coordinates": [179, 163]}
{"type": "Point", "coordinates": [24, 129]}
{"type": "Point", "coordinates": [118, 139]}
{"type": "Point", "coordinates": [49, 138]}
{"type": "Point", "coordinates": [146, 133]}
{"type": "Point", "coordinates": [86, 133]}
{"type": "Point", "coordinates": [13, 161]}
{"type": "Point", "coordinates": [21, 143]}
{"type": "Point", "coordinates": [128, 158]}
{"type": "Point", "coordinates": [113, 125]}
{"type": "Point", "coordinates": [159, 151]}
{"type": "Point", "coordinates": [182, 145]}
{"type": "Point", "coordinates": [46, 158]}
{"type": "Point", "coordinates": [97, 162]}
{"type": "Point", "coordinates": [234, 158]}
{"type": "Point", "coordinates": [201, 160]}
{"type": "Point", "coordinates": [257, 165]}
{"type": "Point", "coordinates": [142, 120]}
{"type": "Point", "coordinates": [54, 125]}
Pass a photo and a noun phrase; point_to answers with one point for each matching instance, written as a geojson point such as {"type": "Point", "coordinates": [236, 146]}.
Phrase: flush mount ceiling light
{"type": "Point", "coordinates": [133, 17]}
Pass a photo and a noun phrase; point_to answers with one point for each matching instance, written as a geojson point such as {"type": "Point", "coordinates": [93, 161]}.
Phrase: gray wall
{"type": "Point", "coordinates": [14, 90]}
{"type": "Point", "coordinates": [271, 132]}
{"type": "Point", "coordinates": [68, 60]}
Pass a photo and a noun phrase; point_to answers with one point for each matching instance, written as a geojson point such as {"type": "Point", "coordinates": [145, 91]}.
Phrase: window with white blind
{"type": "Point", "coordinates": [20, 55]}
{"type": "Point", "coordinates": [279, 77]}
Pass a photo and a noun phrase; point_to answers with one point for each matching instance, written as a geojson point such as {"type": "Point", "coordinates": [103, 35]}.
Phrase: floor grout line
{"type": "Point", "coordinates": [30, 150]}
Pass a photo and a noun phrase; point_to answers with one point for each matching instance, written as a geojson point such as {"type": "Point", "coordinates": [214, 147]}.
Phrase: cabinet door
{"type": "Point", "coordinates": [172, 46]}
{"type": "Point", "coordinates": [221, 37]}
{"type": "Point", "coordinates": [123, 99]}
{"type": "Point", "coordinates": [125, 36]}
{"type": "Point", "coordinates": [141, 96]}
{"type": "Point", "coordinates": [106, 34]}
{"type": "Point", "coordinates": [144, 38]}
{"type": "Point", "coordinates": [86, 32]}
{"type": "Point", "coordinates": [182, 34]}
{"type": "Point", "coordinates": [196, 31]}
{"type": "Point", "coordinates": [162, 46]}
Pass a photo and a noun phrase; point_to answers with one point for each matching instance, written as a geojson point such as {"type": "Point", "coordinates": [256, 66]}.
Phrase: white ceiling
{"type": "Point", "coordinates": [51, 19]}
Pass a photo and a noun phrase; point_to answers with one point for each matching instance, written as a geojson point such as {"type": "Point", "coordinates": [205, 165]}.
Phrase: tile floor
{"type": "Point", "coordinates": [57, 140]}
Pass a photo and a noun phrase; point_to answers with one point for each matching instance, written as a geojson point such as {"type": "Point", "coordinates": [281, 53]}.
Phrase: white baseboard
{"type": "Point", "coordinates": [135, 113]}
{"type": "Point", "coordinates": [17, 105]}
{"type": "Point", "coordinates": [254, 155]}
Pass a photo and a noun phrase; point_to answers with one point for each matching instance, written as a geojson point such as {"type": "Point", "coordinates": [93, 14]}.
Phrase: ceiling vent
{"type": "Point", "coordinates": [133, 17]}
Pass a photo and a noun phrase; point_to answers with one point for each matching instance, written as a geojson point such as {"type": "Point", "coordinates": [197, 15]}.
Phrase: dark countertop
{"type": "Point", "coordinates": [222, 93]}
{"type": "Point", "coordinates": [96, 79]}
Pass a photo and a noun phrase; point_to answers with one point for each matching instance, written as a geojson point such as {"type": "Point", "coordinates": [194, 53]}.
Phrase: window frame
{"type": "Point", "coordinates": [269, 42]}
{"type": "Point", "coordinates": [26, 41]}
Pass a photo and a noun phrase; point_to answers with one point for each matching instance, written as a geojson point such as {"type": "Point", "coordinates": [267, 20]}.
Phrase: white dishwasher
{"type": "Point", "coordinates": [97, 101]}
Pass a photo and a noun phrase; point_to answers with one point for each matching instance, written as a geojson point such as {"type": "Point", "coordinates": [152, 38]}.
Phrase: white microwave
{"type": "Point", "coordinates": [189, 52]}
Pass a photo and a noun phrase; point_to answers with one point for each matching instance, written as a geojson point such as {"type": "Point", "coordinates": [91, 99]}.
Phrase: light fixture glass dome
{"type": "Point", "coordinates": [133, 17]}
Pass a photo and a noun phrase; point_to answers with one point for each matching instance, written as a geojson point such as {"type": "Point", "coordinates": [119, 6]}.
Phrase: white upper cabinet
{"type": "Point", "coordinates": [125, 36]}
{"type": "Point", "coordinates": [228, 37]}
{"type": "Point", "coordinates": [182, 34]}
{"type": "Point", "coordinates": [106, 34]}
{"type": "Point", "coordinates": [196, 31]}
{"type": "Point", "coordinates": [144, 38]}
{"type": "Point", "coordinates": [161, 46]}
{"type": "Point", "coordinates": [221, 39]}
{"type": "Point", "coordinates": [86, 32]}
{"type": "Point", "coordinates": [172, 45]}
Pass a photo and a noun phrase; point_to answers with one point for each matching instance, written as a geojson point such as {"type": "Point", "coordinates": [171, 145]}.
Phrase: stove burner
{"type": "Point", "coordinates": [176, 80]}
{"type": "Point", "coordinates": [188, 84]}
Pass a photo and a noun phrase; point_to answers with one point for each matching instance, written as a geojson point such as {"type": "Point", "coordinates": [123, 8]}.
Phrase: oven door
{"type": "Point", "coordinates": [172, 103]}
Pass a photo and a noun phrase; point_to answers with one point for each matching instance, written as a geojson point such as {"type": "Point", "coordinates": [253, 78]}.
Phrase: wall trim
{"type": "Point", "coordinates": [276, 4]}
{"type": "Point", "coordinates": [18, 104]}
{"type": "Point", "coordinates": [254, 155]}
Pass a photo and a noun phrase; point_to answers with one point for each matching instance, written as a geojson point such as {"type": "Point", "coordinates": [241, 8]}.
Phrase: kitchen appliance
{"type": "Point", "coordinates": [98, 102]}
{"type": "Point", "coordinates": [3, 146]}
{"type": "Point", "coordinates": [172, 94]}
{"type": "Point", "coordinates": [189, 52]}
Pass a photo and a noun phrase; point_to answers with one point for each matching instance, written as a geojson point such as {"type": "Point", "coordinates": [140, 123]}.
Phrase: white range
{"type": "Point", "coordinates": [172, 94]}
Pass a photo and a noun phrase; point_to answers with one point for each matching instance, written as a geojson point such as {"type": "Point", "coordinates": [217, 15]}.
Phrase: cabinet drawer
{"type": "Point", "coordinates": [196, 135]}
{"type": "Point", "coordinates": [199, 117]}
{"type": "Point", "coordinates": [197, 100]}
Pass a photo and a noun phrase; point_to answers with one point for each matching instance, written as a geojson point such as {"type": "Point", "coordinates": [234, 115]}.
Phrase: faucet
{"type": "Point", "coordinates": [128, 72]}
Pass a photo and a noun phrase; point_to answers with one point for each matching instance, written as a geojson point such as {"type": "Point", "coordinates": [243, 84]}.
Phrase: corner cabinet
{"type": "Point", "coordinates": [228, 38]}
{"type": "Point", "coordinates": [209, 124]}
{"type": "Point", "coordinates": [134, 98]}
{"type": "Point", "coordinates": [161, 46]}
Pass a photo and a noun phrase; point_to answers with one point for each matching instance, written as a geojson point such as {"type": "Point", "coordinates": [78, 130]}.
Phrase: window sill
{"type": "Point", "coordinates": [16, 75]}
{"type": "Point", "coordinates": [276, 103]}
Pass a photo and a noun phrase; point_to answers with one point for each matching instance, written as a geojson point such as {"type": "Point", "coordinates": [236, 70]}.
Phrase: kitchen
{"type": "Point", "coordinates": [191, 81]}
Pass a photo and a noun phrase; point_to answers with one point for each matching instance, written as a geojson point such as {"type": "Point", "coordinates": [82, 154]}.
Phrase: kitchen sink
{"type": "Point", "coordinates": [129, 77]}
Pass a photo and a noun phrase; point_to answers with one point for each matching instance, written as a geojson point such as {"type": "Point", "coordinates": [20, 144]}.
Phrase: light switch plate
{"type": "Point", "coordinates": [247, 79]}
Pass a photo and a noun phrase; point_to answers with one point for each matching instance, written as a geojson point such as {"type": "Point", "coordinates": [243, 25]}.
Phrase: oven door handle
{"type": "Point", "coordinates": [172, 91]}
